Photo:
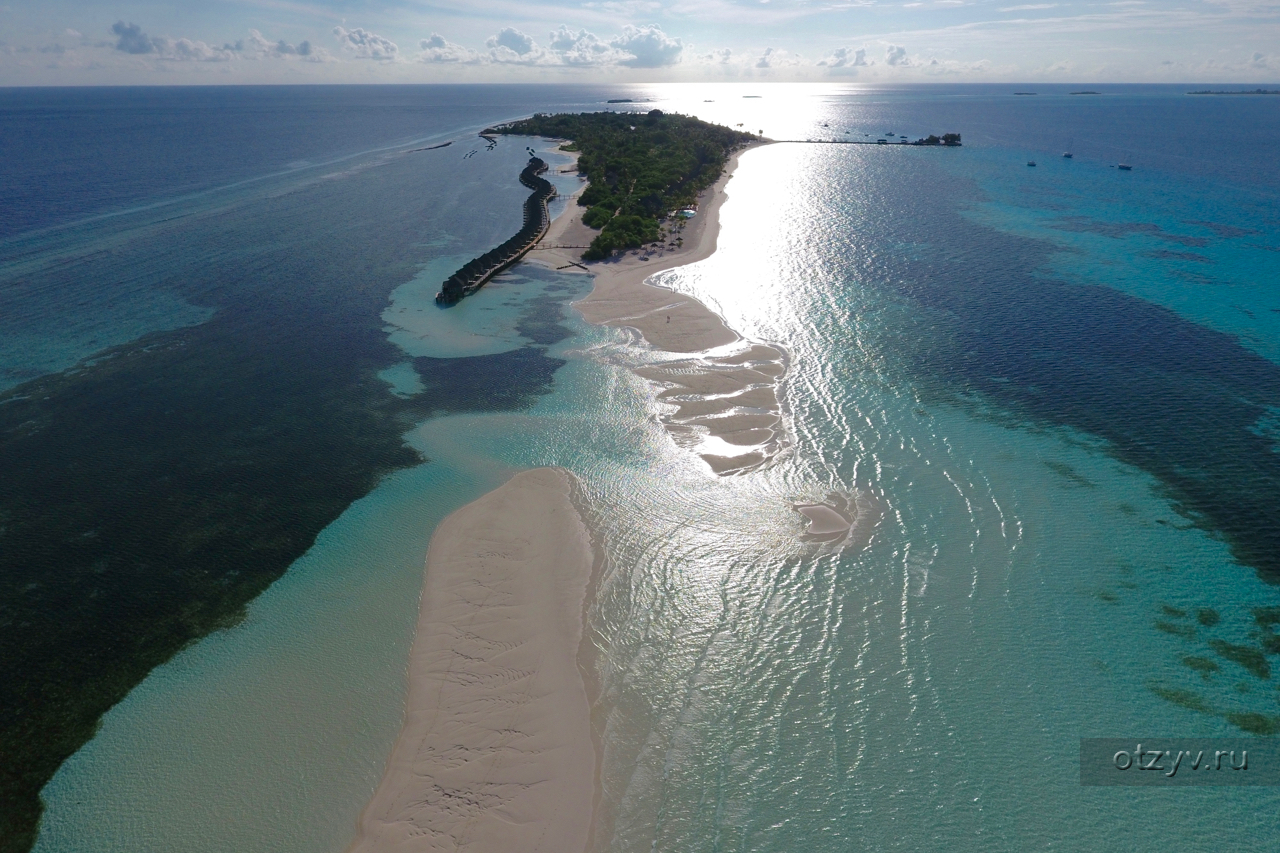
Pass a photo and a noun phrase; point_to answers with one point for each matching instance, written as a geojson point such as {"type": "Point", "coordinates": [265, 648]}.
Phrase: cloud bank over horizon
{"type": "Point", "coordinates": [262, 41]}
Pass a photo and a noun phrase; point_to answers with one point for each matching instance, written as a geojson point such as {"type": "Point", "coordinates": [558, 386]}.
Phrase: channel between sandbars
{"type": "Point", "coordinates": [496, 753]}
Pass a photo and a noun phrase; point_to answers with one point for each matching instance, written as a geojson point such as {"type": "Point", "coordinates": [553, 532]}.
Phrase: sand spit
{"type": "Point", "coordinates": [724, 402]}
{"type": "Point", "coordinates": [841, 520]}
{"type": "Point", "coordinates": [496, 753]}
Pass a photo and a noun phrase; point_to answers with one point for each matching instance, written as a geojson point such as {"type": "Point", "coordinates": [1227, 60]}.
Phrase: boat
{"type": "Point", "coordinates": [1067, 154]}
{"type": "Point", "coordinates": [1031, 162]}
{"type": "Point", "coordinates": [1124, 167]}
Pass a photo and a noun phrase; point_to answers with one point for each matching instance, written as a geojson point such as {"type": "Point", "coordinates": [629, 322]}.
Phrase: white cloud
{"type": "Point", "coordinates": [513, 47]}
{"type": "Point", "coordinates": [189, 50]}
{"type": "Point", "coordinates": [131, 39]}
{"type": "Point", "coordinates": [649, 47]}
{"type": "Point", "coordinates": [509, 38]}
{"type": "Point", "coordinates": [1028, 7]}
{"type": "Point", "coordinates": [937, 66]}
{"type": "Point", "coordinates": [260, 47]}
{"type": "Point", "coordinates": [777, 58]}
{"type": "Point", "coordinates": [583, 48]}
{"type": "Point", "coordinates": [366, 45]}
{"type": "Point", "coordinates": [566, 40]}
{"type": "Point", "coordinates": [635, 47]}
{"type": "Point", "coordinates": [75, 34]}
{"type": "Point", "coordinates": [1259, 60]}
{"type": "Point", "coordinates": [896, 55]}
{"type": "Point", "coordinates": [845, 57]}
{"type": "Point", "coordinates": [439, 49]}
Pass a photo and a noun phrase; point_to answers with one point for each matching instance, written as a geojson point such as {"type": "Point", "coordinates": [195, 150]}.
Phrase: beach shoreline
{"type": "Point", "coordinates": [497, 751]}
{"type": "Point", "coordinates": [717, 392]}
{"type": "Point", "coordinates": [620, 296]}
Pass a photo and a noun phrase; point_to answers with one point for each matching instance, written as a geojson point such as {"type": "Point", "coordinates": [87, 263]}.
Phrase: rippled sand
{"type": "Point", "coordinates": [725, 407]}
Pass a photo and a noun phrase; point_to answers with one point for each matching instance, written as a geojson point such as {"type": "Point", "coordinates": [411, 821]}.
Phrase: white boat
{"type": "Point", "coordinates": [1124, 167]}
{"type": "Point", "coordinates": [1031, 162]}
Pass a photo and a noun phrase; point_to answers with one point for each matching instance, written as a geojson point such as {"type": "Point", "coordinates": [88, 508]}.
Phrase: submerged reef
{"type": "Point", "coordinates": [148, 494]}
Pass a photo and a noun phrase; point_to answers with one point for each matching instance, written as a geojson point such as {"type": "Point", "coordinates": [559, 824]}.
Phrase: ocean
{"type": "Point", "coordinates": [234, 415]}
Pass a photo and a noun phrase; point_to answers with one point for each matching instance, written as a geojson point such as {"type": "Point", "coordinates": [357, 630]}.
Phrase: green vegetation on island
{"type": "Point", "coordinates": [933, 139]}
{"type": "Point", "coordinates": [641, 167]}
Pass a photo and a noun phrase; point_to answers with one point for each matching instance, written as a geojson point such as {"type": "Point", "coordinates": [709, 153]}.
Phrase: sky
{"type": "Point", "coordinates": [125, 42]}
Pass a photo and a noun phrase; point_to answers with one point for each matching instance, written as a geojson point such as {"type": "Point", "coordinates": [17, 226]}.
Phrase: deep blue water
{"type": "Point", "coordinates": [70, 153]}
{"type": "Point", "coordinates": [67, 153]}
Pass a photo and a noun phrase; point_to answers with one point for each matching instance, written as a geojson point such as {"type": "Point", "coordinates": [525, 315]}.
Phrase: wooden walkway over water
{"type": "Point", "coordinates": [886, 142]}
{"type": "Point", "coordinates": [537, 219]}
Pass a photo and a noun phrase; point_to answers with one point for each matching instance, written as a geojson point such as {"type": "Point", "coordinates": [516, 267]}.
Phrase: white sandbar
{"type": "Point", "coordinates": [496, 753]}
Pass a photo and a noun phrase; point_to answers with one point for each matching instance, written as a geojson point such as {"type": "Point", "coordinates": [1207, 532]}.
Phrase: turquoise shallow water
{"type": "Point", "coordinates": [1033, 579]}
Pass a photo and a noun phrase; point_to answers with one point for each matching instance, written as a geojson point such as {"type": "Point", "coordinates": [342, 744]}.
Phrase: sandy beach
{"type": "Point", "coordinates": [496, 753]}
{"type": "Point", "coordinates": [620, 296]}
{"type": "Point", "coordinates": [717, 391]}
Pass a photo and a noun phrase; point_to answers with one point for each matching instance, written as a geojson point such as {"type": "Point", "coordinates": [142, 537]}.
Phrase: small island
{"type": "Point", "coordinates": [1086, 92]}
{"type": "Point", "coordinates": [952, 139]}
{"type": "Point", "coordinates": [1237, 92]}
{"type": "Point", "coordinates": [640, 168]}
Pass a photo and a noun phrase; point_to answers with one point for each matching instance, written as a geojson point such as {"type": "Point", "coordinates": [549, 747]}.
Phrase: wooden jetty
{"type": "Point", "coordinates": [919, 143]}
{"type": "Point", "coordinates": [537, 219]}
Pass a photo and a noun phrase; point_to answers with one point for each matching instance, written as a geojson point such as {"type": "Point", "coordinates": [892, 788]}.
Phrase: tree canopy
{"type": "Point", "coordinates": [640, 167]}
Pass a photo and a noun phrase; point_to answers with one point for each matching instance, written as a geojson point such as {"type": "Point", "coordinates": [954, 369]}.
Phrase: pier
{"type": "Point", "coordinates": [537, 219]}
{"type": "Point", "coordinates": [931, 142]}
